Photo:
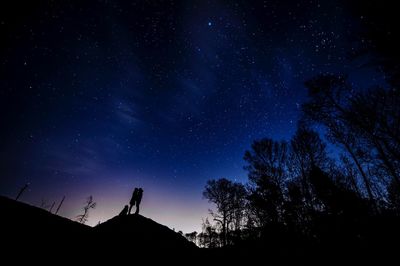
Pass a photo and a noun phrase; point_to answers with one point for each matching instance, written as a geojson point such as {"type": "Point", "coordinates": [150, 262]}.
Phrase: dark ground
{"type": "Point", "coordinates": [30, 234]}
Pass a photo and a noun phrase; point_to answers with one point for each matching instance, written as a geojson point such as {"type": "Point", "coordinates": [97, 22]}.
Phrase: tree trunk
{"type": "Point", "coordinates": [386, 162]}
{"type": "Point", "coordinates": [224, 230]}
{"type": "Point", "coordinates": [364, 176]}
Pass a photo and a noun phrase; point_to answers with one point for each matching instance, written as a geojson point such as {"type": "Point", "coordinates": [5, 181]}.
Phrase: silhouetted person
{"type": "Point", "coordinates": [138, 199]}
{"type": "Point", "coordinates": [133, 199]}
{"type": "Point", "coordinates": [124, 211]}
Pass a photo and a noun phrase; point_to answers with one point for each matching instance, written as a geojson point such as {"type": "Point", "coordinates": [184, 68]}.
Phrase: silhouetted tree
{"type": "Point", "coordinates": [378, 41]}
{"type": "Point", "coordinates": [350, 174]}
{"type": "Point", "coordinates": [192, 237]}
{"type": "Point", "coordinates": [394, 196]}
{"type": "Point", "coordinates": [22, 191]}
{"type": "Point", "coordinates": [306, 151]}
{"type": "Point", "coordinates": [296, 213]}
{"type": "Point", "coordinates": [375, 117]}
{"type": "Point", "coordinates": [59, 205]}
{"type": "Point", "coordinates": [229, 198]}
{"type": "Point", "coordinates": [208, 237]}
{"type": "Point", "coordinates": [90, 204]}
{"type": "Point", "coordinates": [267, 171]}
{"type": "Point", "coordinates": [52, 206]}
{"type": "Point", "coordinates": [328, 101]}
{"type": "Point", "coordinates": [238, 204]}
{"type": "Point", "coordinates": [366, 123]}
{"type": "Point", "coordinates": [336, 198]}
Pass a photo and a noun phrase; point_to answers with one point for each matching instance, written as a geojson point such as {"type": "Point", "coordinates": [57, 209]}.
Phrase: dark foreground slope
{"type": "Point", "coordinates": [138, 232]}
{"type": "Point", "coordinates": [31, 232]}
{"type": "Point", "coordinates": [28, 227]}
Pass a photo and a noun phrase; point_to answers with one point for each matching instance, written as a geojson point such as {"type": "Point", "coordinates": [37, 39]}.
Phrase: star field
{"type": "Point", "coordinates": [101, 96]}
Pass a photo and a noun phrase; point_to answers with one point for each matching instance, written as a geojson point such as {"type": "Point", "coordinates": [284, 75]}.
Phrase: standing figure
{"type": "Point", "coordinates": [138, 199]}
{"type": "Point", "coordinates": [133, 199]}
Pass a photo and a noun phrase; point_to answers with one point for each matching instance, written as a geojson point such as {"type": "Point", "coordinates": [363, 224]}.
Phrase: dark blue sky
{"type": "Point", "coordinates": [102, 96]}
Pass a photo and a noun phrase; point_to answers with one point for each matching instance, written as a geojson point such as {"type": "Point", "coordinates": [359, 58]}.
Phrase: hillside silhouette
{"type": "Point", "coordinates": [143, 232]}
{"type": "Point", "coordinates": [38, 233]}
{"type": "Point", "coordinates": [20, 222]}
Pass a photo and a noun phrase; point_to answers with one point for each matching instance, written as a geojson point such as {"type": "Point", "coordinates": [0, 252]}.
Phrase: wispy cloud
{"type": "Point", "coordinates": [84, 157]}
{"type": "Point", "coordinates": [126, 113]}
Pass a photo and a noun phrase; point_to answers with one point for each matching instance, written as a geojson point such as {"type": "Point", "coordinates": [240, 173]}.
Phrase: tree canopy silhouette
{"type": "Point", "coordinates": [229, 198]}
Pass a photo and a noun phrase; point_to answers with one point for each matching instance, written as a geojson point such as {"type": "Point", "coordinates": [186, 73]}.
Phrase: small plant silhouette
{"type": "Point", "coordinates": [90, 204]}
{"type": "Point", "coordinates": [22, 191]}
{"type": "Point", "coordinates": [59, 206]}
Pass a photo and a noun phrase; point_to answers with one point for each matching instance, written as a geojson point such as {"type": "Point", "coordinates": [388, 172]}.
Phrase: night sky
{"type": "Point", "coordinates": [98, 97]}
